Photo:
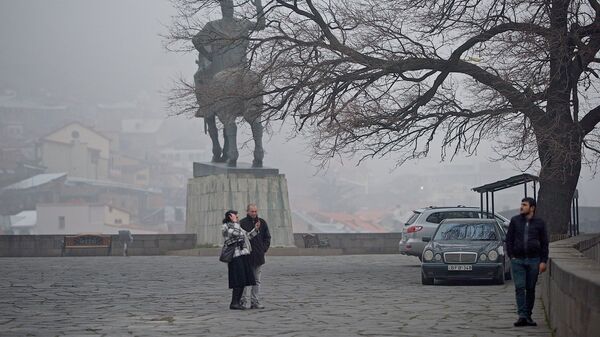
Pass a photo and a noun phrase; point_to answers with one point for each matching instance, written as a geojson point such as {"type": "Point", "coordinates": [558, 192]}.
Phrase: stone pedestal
{"type": "Point", "coordinates": [217, 188]}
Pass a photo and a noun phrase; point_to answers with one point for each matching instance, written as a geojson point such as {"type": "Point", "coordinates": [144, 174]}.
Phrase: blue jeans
{"type": "Point", "coordinates": [525, 274]}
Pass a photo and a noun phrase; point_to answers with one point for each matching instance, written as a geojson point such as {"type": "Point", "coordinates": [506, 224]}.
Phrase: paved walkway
{"type": "Point", "coordinates": [376, 295]}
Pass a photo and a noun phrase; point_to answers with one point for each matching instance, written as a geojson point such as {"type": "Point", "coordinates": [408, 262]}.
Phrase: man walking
{"type": "Point", "coordinates": [527, 247]}
{"type": "Point", "coordinates": [260, 244]}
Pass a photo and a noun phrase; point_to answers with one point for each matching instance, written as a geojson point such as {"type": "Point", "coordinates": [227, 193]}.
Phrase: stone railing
{"type": "Point", "coordinates": [52, 245]}
{"type": "Point", "coordinates": [571, 286]}
{"type": "Point", "coordinates": [590, 247]}
{"type": "Point", "coordinates": [357, 243]}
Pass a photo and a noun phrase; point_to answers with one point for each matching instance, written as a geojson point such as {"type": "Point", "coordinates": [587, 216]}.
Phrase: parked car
{"type": "Point", "coordinates": [466, 249]}
{"type": "Point", "coordinates": [425, 221]}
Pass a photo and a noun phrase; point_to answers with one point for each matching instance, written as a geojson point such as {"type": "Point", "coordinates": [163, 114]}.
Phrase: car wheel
{"type": "Point", "coordinates": [426, 281]}
{"type": "Point", "coordinates": [507, 275]}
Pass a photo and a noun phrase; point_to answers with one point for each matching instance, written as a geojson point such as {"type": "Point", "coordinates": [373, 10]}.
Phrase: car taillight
{"type": "Point", "coordinates": [413, 229]}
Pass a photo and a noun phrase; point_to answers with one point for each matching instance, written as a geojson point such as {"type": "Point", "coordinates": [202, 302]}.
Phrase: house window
{"type": "Point", "coordinates": [61, 222]}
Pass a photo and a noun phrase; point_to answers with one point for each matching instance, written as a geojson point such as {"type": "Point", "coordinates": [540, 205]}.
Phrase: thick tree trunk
{"type": "Point", "coordinates": [557, 133]}
{"type": "Point", "coordinates": [560, 156]}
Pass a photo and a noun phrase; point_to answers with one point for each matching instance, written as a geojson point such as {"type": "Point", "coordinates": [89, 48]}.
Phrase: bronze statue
{"type": "Point", "coordinates": [225, 86]}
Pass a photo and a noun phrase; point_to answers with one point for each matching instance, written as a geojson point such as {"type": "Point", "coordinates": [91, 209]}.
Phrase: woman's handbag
{"type": "Point", "coordinates": [227, 253]}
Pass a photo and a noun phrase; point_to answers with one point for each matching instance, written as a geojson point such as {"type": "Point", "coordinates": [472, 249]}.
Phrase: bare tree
{"type": "Point", "coordinates": [378, 78]}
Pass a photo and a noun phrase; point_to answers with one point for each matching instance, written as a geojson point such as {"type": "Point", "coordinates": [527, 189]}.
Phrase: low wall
{"type": "Point", "coordinates": [571, 286]}
{"type": "Point", "coordinates": [590, 247]}
{"type": "Point", "coordinates": [274, 251]}
{"type": "Point", "coordinates": [358, 243]}
{"type": "Point", "coordinates": [52, 245]}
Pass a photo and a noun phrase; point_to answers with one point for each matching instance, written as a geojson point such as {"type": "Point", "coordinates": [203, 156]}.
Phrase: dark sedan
{"type": "Point", "coordinates": [466, 249]}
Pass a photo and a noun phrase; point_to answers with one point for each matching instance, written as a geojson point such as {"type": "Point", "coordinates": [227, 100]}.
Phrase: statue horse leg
{"type": "Point", "coordinates": [213, 132]}
{"type": "Point", "coordinates": [230, 133]}
{"type": "Point", "coordinates": [252, 116]}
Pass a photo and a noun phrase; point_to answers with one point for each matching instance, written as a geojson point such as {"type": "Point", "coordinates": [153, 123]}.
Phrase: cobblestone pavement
{"type": "Point", "coordinates": [374, 295]}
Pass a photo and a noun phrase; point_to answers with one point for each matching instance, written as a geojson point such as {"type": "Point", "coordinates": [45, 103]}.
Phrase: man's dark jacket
{"type": "Point", "coordinates": [260, 243]}
{"type": "Point", "coordinates": [537, 241]}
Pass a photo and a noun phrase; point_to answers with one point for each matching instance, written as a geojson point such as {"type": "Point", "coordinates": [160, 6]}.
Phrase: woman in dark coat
{"type": "Point", "coordinates": [240, 271]}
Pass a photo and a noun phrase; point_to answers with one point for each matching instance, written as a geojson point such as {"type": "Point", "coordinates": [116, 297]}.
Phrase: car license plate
{"type": "Point", "coordinates": [460, 267]}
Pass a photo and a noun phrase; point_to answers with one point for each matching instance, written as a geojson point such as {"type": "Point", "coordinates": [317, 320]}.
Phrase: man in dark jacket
{"type": "Point", "coordinates": [260, 244]}
{"type": "Point", "coordinates": [527, 247]}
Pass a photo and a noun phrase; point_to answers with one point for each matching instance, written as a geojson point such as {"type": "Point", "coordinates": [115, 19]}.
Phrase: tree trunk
{"type": "Point", "coordinates": [557, 134]}
{"type": "Point", "coordinates": [560, 156]}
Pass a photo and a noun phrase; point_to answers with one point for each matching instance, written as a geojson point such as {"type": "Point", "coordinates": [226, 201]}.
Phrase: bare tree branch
{"type": "Point", "coordinates": [590, 120]}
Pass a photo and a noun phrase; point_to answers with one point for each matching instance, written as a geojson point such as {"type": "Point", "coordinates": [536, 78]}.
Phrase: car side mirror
{"type": "Point", "coordinates": [426, 239]}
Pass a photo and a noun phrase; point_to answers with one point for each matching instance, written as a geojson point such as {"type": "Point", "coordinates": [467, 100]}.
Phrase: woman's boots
{"type": "Point", "coordinates": [236, 297]}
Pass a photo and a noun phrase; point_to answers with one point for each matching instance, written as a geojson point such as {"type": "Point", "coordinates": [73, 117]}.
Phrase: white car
{"type": "Point", "coordinates": [424, 222]}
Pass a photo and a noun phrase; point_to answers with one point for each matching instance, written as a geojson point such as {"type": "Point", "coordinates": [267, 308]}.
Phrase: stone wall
{"type": "Point", "coordinates": [571, 286]}
{"type": "Point", "coordinates": [358, 243]}
{"type": "Point", "coordinates": [52, 245]}
{"type": "Point", "coordinates": [590, 247]}
{"type": "Point", "coordinates": [160, 244]}
{"type": "Point", "coordinates": [208, 197]}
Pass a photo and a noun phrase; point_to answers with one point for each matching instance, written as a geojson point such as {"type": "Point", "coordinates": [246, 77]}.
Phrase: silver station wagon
{"type": "Point", "coordinates": [466, 249]}
{"type": "Point", "coordinates": [425, 221]}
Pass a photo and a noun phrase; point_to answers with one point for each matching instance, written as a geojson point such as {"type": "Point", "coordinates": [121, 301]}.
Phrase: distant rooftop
{"type": "Point", "coordinates": [15, 102]}
{"type": "Point", "coordinates": [119, 105]}
{"type": "Point", "coordinates": [35, 181]}
{"type": "Point", "coordinates": [41, 179]}
{"type": "Point", "coordinates": [141, 125]}
{"type": "Point", "coordinates": [107, 183]}
{"type": "Point", "coordinates": [24, 219]}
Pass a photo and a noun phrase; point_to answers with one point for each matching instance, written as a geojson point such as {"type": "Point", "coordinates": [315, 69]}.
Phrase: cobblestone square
{"type": "Point", "coordinates": [369, 295]}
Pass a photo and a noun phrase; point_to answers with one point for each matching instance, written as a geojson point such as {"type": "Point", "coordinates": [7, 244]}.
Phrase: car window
{"type": "Point", "coordinates": [470, 231]}
{"type": "Point", "coordinates": [434, 217]}
{"type": "Point", "coordinates": [438, 217]}
{"type": "Point", "coordinates": [462, 215]}
{"type": "Point", "coordinates": [412, 219]}
{"type": "Point", "coordinates": [485, 215]}
{"type": "Point", "coordinates": [498, 219]}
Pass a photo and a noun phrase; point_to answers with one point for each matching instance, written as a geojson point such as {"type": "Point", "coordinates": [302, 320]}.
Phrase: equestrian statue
{"type": "Point", "coordinates": [225, 87]}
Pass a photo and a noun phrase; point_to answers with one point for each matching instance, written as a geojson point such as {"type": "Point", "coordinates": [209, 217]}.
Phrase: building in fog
{"type": "Point", "coordinates": [141, 137]}
{"type": "Point", "coordinates": [130, 170]}
{"type": "Point", "coordinates": [23, 223]}
{"type": "Point", "coordinates": [27, 193]}
{"type": "Point", "coordinates": [184, 158]}
{"type": "Point", "coordinates": [145, 205]}
{"type": "Point", "coordinates": [80, 218]}
{"type": "Point", "coordinates": [24, 118]}
{"type": "Point", "coordinates": [77, 150]}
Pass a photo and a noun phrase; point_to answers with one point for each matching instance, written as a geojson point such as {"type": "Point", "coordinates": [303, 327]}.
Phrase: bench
{"type": "Point", "coordinates": [313, 241]}
{"type": "Point", "coordinates": [87, 242]}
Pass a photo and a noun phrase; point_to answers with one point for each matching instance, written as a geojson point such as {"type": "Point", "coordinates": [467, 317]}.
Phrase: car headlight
{"type": "Point", "coordinates": [493, 255]}
{"type": "Point", "coordinates": [438, 257]}
{"type": "Point", "coordinates": [428, 255]}
{"type": "Point", "coordinates": [483, 257]}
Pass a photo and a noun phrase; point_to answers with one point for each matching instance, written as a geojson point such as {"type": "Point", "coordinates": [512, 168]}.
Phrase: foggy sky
{"type": "Point", "coordinates": [103, 51]}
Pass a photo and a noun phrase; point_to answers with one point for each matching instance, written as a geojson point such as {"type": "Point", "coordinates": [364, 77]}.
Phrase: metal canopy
{"type": "Point", "coordinates": [489, 189]}
{"type": "Point", "coordinates": [521, 179]}
{"type": "Point", "coordinates": [506, 183]}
